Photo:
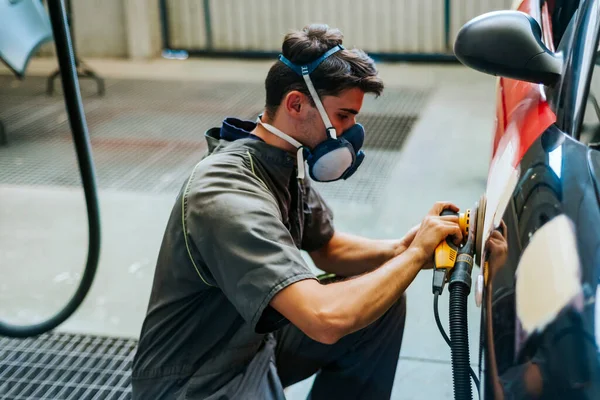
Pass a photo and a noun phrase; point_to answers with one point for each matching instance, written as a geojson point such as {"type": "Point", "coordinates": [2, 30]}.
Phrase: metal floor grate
{"type": "Point", "coordinates": [367, 184]}
{"type": "Point", "coordinates": [62, 366]}
{"type": "Point", "coordinates": [148, 135]}
{"type": "Point", "coordinates": [386, 132]}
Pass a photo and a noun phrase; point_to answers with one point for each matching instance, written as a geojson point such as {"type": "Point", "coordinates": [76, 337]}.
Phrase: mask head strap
{"type": "Point", "coordinates": [299, 147]}
{"type": "Point", "coordinates": [305, 71]}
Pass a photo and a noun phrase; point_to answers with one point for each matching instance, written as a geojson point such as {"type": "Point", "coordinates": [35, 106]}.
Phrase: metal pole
{"type": "Point", "coordinates": [208, 25]}
{"type": "Point", "coordinates": [68, 9]}
{"type": "Point", "coordinates": [164, 17]}
{"type": "Point", "coordinates": [447, 24]}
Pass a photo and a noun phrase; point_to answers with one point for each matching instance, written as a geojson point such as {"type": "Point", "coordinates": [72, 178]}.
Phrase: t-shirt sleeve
{"type": "Point", "coordinates": [318, 220]}
{"type": "Point", "coordinates": [235, 224]}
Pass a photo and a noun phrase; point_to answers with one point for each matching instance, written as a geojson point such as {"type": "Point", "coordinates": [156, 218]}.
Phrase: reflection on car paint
{"type": "Point", "coordinates": [555, 161]}
{"type": "Point", "coordinates": [597, 313]}
{"type": "Point", "coordinates": [548, 275]}
{"type": "Point", "coordinates": [502, 180]}
{"type": "Point", "coordinates": [540, 307]}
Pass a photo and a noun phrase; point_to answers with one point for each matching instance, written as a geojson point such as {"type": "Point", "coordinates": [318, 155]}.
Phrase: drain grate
{"type": "Point", "coordinates": [62, 366]}
{"type": "Point", "coordinates": [148, 135]}
{"type": "Point", "coordinates": [386, 132]}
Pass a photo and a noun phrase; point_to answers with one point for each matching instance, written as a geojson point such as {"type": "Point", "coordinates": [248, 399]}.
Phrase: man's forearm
{"type": "Point", "coordinates": [353, 304]}
{"type": "Point", "coordinates": [350, 255]}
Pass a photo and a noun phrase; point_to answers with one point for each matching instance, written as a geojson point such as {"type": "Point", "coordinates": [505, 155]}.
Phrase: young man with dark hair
{"type": "Point", "coordinates": [235, 311]}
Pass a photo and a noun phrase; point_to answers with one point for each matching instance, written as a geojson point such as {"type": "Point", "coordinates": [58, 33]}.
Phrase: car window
{"type": "Point", "coordinates": [562, 14]}
{"type": "Point", "coordinates": [567, 32]}
{"type": "Point", "coordinates": [579, 89]}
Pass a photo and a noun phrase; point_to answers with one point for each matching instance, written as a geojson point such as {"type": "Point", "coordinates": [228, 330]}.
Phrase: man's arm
{"type": "Point", "coordinates": [327, 313]}
{"type": "Point", "coordinates": [350, 255]}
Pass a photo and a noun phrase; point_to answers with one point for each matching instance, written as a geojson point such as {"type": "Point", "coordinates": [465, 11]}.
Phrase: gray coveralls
{"type": "Point", "coordinates": [233, 241]}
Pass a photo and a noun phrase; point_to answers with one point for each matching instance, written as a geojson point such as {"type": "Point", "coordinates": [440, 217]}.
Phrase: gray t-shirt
{"type": "Point", "coordinates": [233, 241]}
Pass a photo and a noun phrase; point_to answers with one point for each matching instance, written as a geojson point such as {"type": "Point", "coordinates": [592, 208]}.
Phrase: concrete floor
{"type": "Point", "coordinates": [43, 233]}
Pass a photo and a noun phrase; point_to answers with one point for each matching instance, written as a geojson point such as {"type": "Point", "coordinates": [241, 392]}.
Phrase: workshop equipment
{"type": "Point", "coordinates": [453, 264]}
{"type": "Point", "coordinates": [81, 139]}
{"type": "Point", "coordinates": [447, 251]}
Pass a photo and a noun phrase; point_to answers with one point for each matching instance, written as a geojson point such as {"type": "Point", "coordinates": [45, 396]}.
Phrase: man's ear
{"type": "Point", "coordinates": [296, 104]}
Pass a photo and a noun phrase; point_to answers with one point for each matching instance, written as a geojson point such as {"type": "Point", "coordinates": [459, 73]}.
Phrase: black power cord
{"type": "Point", "coordinates": [447, 339]}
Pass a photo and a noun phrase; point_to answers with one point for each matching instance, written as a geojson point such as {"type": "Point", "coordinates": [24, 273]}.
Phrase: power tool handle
{"type": "Point", "coordinates": [448, 212]}
{"type": "Point", "coordinates": [449, 239]}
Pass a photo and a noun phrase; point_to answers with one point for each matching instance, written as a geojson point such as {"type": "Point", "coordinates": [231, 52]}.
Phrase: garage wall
{"type": "Point", "coordinates": [464, 10]}
{"type": "Point", "coordinates": [382, 25]}
{"type": "Point", "coordinates": [114, 29]}
{"type": "Point", "coordinates": [390, 26]}
{"type": "Point", "coordinates": [131, 28]}
{"type": "Point", "coordinates": [99, 28]}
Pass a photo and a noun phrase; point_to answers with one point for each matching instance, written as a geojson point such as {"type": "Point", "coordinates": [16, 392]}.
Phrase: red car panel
{"type": "Point", "coordinates": [522, 108]}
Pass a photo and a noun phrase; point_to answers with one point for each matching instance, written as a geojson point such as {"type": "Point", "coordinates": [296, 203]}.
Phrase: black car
{"type": "Point", "coordinates": [540, 326]}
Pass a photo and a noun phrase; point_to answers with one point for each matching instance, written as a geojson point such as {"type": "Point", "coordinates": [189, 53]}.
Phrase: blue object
{"type": "Point", "coordinates": [24, 28]}
{"type": "Point", "coordinates": [352, 139]}
{"type": "Point", "coordinates": [235, 128]}
{"type": "Point", "coordinates": [309, 68]}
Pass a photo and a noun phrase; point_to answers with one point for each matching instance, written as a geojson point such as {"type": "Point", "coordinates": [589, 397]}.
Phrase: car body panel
{"type": "Point", "coordinates": [553, 354]}
{"type": "Point", "coordinates": [522, 115]}
{"type": "Point", "coordinates": [540, 318]}
{"type": "Point", "coordinates": [522, 105]}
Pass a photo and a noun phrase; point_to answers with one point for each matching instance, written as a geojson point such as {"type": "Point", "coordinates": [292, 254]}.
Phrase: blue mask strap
{"type": "Point", "coordinates": [309, 68]}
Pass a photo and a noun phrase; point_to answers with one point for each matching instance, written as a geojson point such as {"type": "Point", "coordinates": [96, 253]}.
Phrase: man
{"type": "Point", "coordinates": [235, 311]}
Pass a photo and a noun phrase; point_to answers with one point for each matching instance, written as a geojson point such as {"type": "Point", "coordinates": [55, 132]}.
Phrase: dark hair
{"type": "Point", "coordinates": [343, 70]}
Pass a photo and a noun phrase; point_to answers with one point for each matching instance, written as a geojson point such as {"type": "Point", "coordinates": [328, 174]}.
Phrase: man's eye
{"type": "Point", "coordinates": [343, 117]}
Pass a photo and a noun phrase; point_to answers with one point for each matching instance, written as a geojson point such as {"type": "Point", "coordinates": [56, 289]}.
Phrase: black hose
{"type": "Point", "coordinates": [438, 322]}
{"type": "Point", "coordinates": [459, 337]}
{"type": "Point", "coordinates": [70, 83]}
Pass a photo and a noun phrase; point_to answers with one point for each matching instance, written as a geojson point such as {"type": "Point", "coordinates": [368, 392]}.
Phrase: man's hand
{"type": "Point", "coordinates": [406, 241]}
{"type": "Point", "coordinates": [433, 230]}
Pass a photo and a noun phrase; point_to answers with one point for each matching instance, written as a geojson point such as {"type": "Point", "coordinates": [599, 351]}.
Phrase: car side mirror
{"type": "Point", "coordinates": [508, 44]}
